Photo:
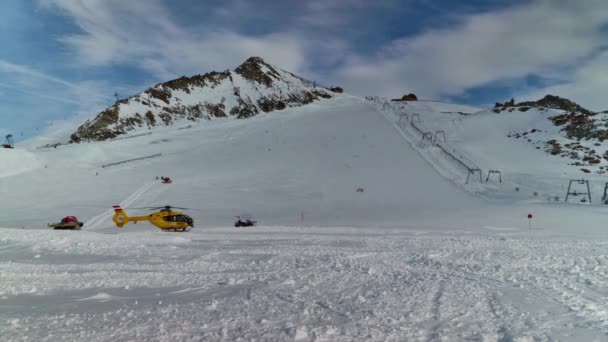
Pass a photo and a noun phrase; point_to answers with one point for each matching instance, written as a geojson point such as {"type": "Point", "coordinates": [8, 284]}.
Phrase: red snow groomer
{"type": "Point", "coordinates": [67, 223]}
{"type": "Point", "coordinates": [166, 180]}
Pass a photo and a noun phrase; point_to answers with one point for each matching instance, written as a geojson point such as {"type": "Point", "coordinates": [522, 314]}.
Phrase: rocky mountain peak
{"type": "Point", "coordinates": [254, 86]}
{"type": "Point", "coordinates": [253, 60]}
{"type": "Point", "coordinates": [549, 101]}
{"type": "Point", "coordinates": [556, 102]}
{"type": "Point", "coordinates": [255, 69]}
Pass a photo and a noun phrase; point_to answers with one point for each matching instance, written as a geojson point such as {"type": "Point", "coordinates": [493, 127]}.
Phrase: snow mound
{"type": "Point", "coordinates": [100, 297]}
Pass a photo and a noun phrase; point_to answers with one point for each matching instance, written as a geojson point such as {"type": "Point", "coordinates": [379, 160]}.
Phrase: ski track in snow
{"type": "Point", "coordinates": [105, 217]}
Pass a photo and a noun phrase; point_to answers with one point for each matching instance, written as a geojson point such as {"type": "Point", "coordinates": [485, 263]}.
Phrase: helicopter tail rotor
{"type": "Point", "coordinates": [120, 216]}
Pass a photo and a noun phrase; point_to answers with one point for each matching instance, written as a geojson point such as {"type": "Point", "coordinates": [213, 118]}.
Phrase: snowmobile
{"type": "Point", "coordinates": [67, 223]}
{"type": "Point", "coordinates": [245, 222]}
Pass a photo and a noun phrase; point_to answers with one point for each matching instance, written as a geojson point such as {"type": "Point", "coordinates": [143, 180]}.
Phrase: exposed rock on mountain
{"type": "Point", "coordinates": [581, 132]}
{"type": "Point", "coordinates": [549, 101]}
{"type": "Point", "coordinates": [409, 97]}
{"type": "Point", "coordinates": [253, 87]}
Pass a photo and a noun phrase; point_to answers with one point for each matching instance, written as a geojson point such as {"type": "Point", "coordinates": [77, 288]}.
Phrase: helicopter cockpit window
{"type": "Point", "coordinates": [176, 218]}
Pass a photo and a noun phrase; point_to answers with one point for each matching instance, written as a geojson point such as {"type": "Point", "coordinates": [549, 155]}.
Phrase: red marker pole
{"type": "Point", "coordinates": [530, 221]}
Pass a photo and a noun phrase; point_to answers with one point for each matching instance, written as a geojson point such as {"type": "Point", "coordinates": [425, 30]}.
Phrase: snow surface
{"type": "Point", "coordinates": [14, 162]}
{"type": "Point", "coordinates": [418, 255]}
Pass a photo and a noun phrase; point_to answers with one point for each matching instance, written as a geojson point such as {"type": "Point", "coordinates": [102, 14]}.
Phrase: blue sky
{"type": "Point", "coordinates": [62, 60]}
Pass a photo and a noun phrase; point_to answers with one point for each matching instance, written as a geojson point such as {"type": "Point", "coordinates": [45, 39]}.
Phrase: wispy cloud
{"type": "Point", "coordinates": [34, 100]}
{"type": "Point", "coordinates": [24, 79]}
{"type": "Point", "coordinates": [586, 83]}
{"type": "Point", "coordinates": [358, 44]}
{"type": "Point", "coordinates": [534, 38]}
{"type": "Point", "coordinates": [8, 67]}
{"type": "Point", "coordinates": [144, 35]}
{"type": "Point", "coordinates": [11, 87]}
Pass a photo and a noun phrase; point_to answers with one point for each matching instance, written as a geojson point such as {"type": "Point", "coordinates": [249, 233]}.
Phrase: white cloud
{"type": "Point", "coordinates": [586, 84]}
{"type": "Point", "coordinates": [40, 95]}
{"type": "Point", "coordinates": [12, 68]}
{"type": "Point", "coordinates": [550, 38]}
{"type": "Point", "coordinates": [27, 80]}
{"type": "Point", "coordinates": [142, 34]}
{"type": "Point", "coordinates": [532, 38]}
{"type": "Point", "coordinates": [42, 98]}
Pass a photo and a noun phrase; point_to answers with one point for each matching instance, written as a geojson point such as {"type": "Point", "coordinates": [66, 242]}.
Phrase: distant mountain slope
{"type": "Point", "coordinates": [253, 87]}
{"type": "Point", "coordinates": [570, 131]}
{"type": "Point", "coordinates": [508, 151]}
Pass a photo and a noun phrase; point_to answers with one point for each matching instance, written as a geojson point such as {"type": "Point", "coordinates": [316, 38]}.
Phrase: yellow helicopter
{"type": "Point", "coordinates": [165, 219]}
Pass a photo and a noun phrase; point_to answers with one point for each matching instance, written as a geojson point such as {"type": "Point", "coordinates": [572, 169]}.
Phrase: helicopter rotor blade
{"type": "Point", "coordinates": [168, 207]}
{"type": "Point", "coordinates": [190, 209]}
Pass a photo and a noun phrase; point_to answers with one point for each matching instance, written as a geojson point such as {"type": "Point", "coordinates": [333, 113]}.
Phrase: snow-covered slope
{"type": "Point", "coordinates": [276, 166]}
{"type": "Point", "coordinates": [565, 130]}
{"type": "Point", "coordinates": [13, 162]}
{"type": "Point", "coordinates": [419, 256]}
{"type": "Point", "coordinates": [534, 148]}
{"type": "Point", "coordinates": [253, 87]}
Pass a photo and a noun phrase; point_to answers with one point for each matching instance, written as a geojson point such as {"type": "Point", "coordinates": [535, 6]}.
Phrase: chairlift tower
{"type": "Point", "coordinates": [473, 172]}
{"type": "Point", "coordinates": [426, 136]}
{"type": "Point", "coordinates": [494, 172]}
{"type": "Point", "coordinates": [605, 196]}
{"type": "Point", "coordinates": [575, 193]}
{"type": "Point", "coordinates": [8, 141]}
{"type": "Point", "coordinates": [439, 134]}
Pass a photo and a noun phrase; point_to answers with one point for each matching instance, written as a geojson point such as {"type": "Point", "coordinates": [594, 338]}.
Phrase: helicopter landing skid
{"type": "Point", "coordinates": [177, 230]}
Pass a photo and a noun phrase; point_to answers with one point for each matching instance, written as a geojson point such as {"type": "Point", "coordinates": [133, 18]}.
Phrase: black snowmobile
{"type": "Point", "coordinates": [244, 222]}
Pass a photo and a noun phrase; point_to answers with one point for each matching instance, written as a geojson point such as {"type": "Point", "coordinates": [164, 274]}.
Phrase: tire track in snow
{"type": "Point", "coordinates": [500, 315]}
{"type": "Point", "coordinates": [98, 220]}
{"type": "Point", "coordinates": [584, 304]}
{"type": "Point", "coordinates": [435, 308]}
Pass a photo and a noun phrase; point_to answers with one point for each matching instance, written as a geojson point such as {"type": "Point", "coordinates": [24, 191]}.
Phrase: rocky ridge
{"type": "Point", "coordinates": [583, 131]}
{"type": "Point", "coordinates": [253, 87]}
